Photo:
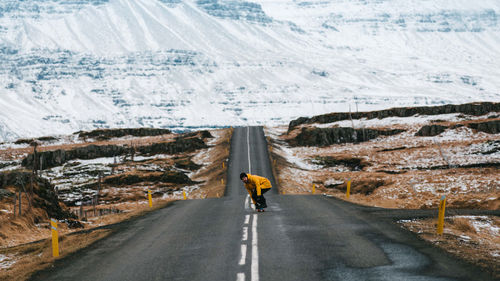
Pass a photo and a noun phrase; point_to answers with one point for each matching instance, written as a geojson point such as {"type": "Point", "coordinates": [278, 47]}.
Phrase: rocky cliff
{"type": "Point", "coordinates": [475, 109]}
{"type": "Point", "coordinates": [103, 134]}
{"type": "Point", "coordinates": [328, 136]}
{"type": "Point", "coordinates": [58, 157]}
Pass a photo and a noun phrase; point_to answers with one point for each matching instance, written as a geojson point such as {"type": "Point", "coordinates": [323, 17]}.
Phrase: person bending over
{"type": "Point", "coordinates": [256, 187]}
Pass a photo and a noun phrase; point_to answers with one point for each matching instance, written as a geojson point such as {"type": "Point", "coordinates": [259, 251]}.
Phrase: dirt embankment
{"type": "Point", "coordinates": [37, 191]}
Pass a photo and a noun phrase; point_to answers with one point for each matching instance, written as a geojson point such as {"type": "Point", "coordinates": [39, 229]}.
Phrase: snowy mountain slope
{"type": "Point", "coordinates": [72, 65]}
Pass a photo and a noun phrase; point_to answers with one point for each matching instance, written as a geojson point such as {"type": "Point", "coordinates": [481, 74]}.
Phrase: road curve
{"type": "Point", "coordinates": [298, 238]}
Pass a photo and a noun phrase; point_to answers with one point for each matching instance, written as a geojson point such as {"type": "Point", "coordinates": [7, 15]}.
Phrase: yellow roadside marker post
{"type": "Point", "coordinates": [150, 198]}
{"type": "Point", "coordinates": [348, 191]}
{"type": "Point", "coordinates": [184, 194]}
{"type": "Point", "coordinates": [223, 165]}
{"type": "Point", "coordinates": [314, 189]}
{"type": "Point", "coordinates": [55, 238]}
{"type": "Point", "coordinates": [442, 206]}
{"type": "Point", "coordinates": [222, 181]}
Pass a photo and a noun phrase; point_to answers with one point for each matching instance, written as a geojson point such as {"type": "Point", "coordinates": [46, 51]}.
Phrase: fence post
{"type": "Point", "coordinates": [442, 206]}
{"type": "Point", "coordinates": [81, 209]}
{"type": "Point", "coordinates": [27, 195]}
{"type": "Point", "coordinates": [55, 238]}
{"type": "Point", "coordinates": [20, 203]}
{"type": "Point", "coordinates": [348, 191]}
{"type": "Point", "coordinates": [41, 164]}
{"type": "Point", "coordinates": [15, 203]}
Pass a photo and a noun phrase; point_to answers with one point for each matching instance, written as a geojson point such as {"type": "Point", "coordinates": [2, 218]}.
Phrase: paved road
{"type": "Point", "coordinates": [298, 238]}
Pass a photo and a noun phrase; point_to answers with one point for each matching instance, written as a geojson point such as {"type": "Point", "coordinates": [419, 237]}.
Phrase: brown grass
{"type": "Point", "coordinates": [214, 174]}
{"type": "Point", "coordinates": [462, 224]}
{"type": "Point", "coordinates": [462, 240]}
{"type": "Point", "coordinates": [390, 178]}
{"type": "Point", "coordinates": [35, 256]}
{"type": "Point", "coordinates": [132, 200]}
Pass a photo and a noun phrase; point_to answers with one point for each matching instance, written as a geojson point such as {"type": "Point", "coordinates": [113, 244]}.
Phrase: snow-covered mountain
{"type": "Point", "coordinates": [68, 65]}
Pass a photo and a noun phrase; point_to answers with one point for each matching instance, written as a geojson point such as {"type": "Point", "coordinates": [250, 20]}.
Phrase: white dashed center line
{"type": "Point", "coordinates": [245, 234]}
{"type": "Point", "coordinates": [243, 254]}
{"type": "Point", "coordinates": [240, 277]}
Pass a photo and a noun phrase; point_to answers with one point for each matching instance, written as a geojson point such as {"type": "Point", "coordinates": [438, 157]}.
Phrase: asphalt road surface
{"type": "Point", "coordinates": [298, 238]}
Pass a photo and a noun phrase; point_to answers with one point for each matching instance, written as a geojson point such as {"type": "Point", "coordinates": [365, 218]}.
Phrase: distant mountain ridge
{"type": "Point", "coordinates": [79, 65]}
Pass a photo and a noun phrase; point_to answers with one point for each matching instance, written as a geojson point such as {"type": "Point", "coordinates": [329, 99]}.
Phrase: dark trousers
{"type": "Point", "coordinates": [260, 201]}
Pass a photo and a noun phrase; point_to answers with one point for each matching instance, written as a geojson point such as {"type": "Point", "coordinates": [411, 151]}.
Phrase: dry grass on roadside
{"type": "Point", "coordinates": [475, 239]}
{"type": "Point", "coordinates": [18, 260]}
{"type": "Point", "coordinates": [214, 173]}
{"type": "Point", "coordinates": [36, 256]}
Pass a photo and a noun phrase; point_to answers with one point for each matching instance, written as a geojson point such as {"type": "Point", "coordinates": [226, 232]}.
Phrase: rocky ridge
{"type": "Point", "coordinates": [474, 109]}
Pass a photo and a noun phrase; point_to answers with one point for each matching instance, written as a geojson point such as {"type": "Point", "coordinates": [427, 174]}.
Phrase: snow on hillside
{"type": "Point", "coordinates": [73, 65]}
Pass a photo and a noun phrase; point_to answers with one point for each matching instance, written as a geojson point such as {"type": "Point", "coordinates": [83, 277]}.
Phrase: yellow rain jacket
{"type": "Point", "coordinates": [257, 183]}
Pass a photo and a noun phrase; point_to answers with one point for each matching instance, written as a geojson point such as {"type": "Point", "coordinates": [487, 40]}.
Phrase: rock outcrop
{"type": "Point", "coordinates": [431, 130]}
{"type": "Point", "coordinates": [329, 136]}
{"type": "Point", "coordinates": [58, 157]}
{"type": "Point", "coordinates": [490, 127]}
{"type": "Point", "coordinates": [39, 140]}
{"type": "Point", "coordinates": [186, 163]}
{"type": "Point", "coordinates": [166, 177]}
{"type": "Point", "coordinates": [475, 109]}
{"type": "Point", "coordinates": [353, 163]}
{"type": "Point", "coordinates": [104, 134]}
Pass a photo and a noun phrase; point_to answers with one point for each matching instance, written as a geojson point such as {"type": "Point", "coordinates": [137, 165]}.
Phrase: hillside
{"type": "Point", "coordinates": [81, 65]}
{"type": "Point", "coordinates": [398, 157]}
{"type": "Point", "coordinates": [111, 169]}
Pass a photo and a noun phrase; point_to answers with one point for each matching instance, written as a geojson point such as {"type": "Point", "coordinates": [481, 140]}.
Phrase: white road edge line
{"type": "Point", "coordinates": [254, 273]}
{"type": "Point", "coordinates": [243, 254]}
{"type": "Point", "coordinates": [240, 276]}
{"type": "Point", "coordinates": [247, 219]}
{"type": "Point", "coordinates": [245, 234]}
